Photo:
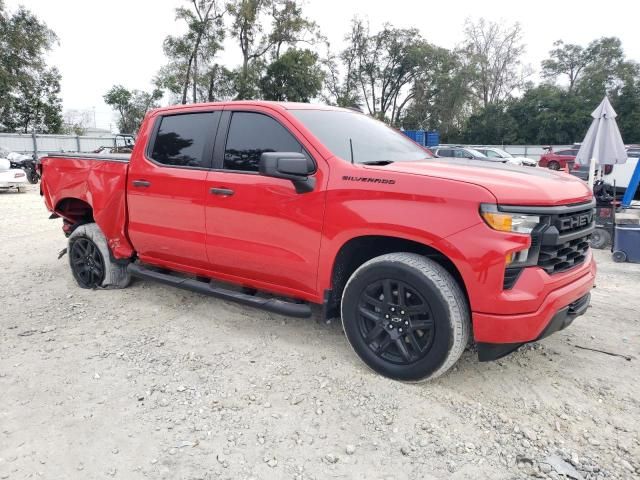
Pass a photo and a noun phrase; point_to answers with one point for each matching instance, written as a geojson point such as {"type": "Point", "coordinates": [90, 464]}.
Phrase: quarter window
{"type": "Point", "coordinates": [251, 135]}
{"type": "Point", "coordinates": [182, 139]}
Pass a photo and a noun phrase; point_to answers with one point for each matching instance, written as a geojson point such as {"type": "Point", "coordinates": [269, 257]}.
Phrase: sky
{"type": "Point", "coordinates": [107, 42]}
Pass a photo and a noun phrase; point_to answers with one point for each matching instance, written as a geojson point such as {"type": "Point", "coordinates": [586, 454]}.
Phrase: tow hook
{"type": "Point", "coordinates": [62, 253]}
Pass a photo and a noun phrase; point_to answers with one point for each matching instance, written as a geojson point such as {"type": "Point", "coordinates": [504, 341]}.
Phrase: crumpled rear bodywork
{"type": "Point", "coordinates": [72, 184]}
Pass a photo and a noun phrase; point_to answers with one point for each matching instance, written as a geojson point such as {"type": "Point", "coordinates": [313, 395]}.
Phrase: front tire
{"type": "Point", "coordinates": [553, 165]}
{"type": "Point", "coordinates": [405, 316]}
{"type": "Point", "coordinates": [91, 262]}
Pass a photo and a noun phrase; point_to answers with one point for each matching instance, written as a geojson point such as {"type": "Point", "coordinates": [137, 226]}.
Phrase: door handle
{"type": "Point", "coordinates": [225, 192]}
{"type": "Point", "coordinates": [141, 183]}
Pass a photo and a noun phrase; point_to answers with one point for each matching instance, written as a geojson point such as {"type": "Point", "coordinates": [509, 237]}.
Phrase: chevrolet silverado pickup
{"type": "Point", "coordinates": [283, 205]}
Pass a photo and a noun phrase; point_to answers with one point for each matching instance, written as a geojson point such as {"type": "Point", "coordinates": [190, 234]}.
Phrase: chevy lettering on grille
{"type": "Point", "coordinates": [575, 221]}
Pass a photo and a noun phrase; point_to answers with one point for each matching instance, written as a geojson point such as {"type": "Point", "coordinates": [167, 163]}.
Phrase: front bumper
{"type": "Point", "coordinates": [561, 320]}
{"type": "Point", "coordinates": [518, 327]}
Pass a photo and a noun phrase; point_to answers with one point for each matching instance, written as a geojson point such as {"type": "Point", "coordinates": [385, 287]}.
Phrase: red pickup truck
{"type": "Point", "coordinates": [281, 206]}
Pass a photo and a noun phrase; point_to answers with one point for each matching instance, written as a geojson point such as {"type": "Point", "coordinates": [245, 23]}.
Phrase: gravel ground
{"type": "Point", "coordinates": [155, 382]}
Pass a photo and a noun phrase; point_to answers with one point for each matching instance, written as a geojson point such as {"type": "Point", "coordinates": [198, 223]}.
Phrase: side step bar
{"type": "Point", "coordinates": [299, 310]}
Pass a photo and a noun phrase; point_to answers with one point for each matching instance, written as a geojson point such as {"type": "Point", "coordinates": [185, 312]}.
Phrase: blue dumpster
{"type": "Point", "coordinates": [626, 245]}
{"type": "Point", "coordinates": [415, 135]}
{"type": "Point", "coordinates": [433, 139]}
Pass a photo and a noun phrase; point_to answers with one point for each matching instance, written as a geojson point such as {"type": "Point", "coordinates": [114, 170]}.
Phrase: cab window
{"type": "Point", "coordinates": [252, 134]}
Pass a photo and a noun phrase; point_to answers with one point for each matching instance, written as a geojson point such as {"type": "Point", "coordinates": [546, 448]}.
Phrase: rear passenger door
{"type": "Point", "coordinates": [166, 190]}
{"type": "Point", "coordinates": [260, 231]}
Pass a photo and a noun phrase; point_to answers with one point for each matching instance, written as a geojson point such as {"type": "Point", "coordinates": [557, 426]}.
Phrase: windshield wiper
{"type": "Point", "coordinates": [377, 162]}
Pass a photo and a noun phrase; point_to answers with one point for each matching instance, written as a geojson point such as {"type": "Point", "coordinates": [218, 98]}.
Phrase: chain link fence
{"type": "Point", "coordinates": [29, 144]}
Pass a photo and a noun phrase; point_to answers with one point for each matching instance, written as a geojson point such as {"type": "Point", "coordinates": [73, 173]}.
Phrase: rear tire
{"type": "Point", "coordinates": [553, 165]}
{"type": "Point", "coordinates": [91, 262]}
{"type": "Point", "coordinates": [600, 238]}
{"type": "Point", "coordinates": [405, 316]}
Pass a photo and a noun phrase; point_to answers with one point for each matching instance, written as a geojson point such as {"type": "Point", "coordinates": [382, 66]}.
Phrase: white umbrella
{"type": "Point", "coordinates": [603, 143]}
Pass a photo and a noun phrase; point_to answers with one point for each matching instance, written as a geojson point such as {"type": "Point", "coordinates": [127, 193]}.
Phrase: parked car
{"type": "Point", "coordinates": [633, 151]}
{"type": "Point", "coordinates": [463, 152]}
{"type": "Point", "coordinates": [309, 204]}
{"type": "Point", "coordinates": [560, 159]}
{"type": "Point", "coordinates": [493, 152]}
{"type": "Point", "coordinates": [11, 178]}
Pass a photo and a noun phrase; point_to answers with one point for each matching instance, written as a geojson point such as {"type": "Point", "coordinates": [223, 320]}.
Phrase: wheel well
{"type": "Point", "coordinates": [362, 249]}
{"type": "Point", "coordinates": [75, 212]}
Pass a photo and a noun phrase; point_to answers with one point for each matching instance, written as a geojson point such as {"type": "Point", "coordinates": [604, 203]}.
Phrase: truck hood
{"type": "Point", "coordinates": [511, 185]}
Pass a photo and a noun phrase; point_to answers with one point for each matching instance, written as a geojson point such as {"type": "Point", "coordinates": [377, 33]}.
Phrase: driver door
{"type": "Point", "coordinates": [260, 231]}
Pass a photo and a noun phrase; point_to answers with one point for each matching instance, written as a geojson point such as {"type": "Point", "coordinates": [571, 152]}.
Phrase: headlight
{"type": "Point", "coordinates": [510, 222]}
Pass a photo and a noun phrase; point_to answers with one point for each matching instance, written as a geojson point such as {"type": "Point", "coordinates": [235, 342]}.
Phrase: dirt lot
{"type": "Point", "coordinates": [154, 382]}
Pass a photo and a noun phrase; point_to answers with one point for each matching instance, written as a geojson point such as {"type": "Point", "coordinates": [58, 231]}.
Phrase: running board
{"type": "Point", "coordinates": [299, 310]}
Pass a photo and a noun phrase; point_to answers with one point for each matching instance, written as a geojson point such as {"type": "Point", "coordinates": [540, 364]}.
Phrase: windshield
{"type": "Point", "coordinates": [371, 140]}
{"type": "Point", "coordinates": [476, 153]}
{"type": "Point", "coordinates": [503, 153]}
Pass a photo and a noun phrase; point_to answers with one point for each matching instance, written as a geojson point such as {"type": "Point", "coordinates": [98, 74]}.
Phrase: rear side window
{"type": "Point", "coordinates": [182, 140]}
{"type": "Point", "coordinates": [251, 135]}
{"type": "Point", "coordinates": [571, 153]}
{"type": "Point", "coordinates": [445, 152]}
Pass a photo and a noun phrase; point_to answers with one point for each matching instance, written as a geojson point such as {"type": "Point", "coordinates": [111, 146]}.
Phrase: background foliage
{"type": "Point", "coordinates": [479, 92]}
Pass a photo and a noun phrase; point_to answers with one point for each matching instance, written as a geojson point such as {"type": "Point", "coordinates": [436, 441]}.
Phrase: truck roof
{"type": "Point", "coordinates": [279, 105]}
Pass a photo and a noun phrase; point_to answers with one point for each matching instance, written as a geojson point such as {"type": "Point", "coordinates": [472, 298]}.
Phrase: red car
{"type": "Point", "coordinates": [304, 205]}
{"type": "Point", "coordinates": [559, 160]}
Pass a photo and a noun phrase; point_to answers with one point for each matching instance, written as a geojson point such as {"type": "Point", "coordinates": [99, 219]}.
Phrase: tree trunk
{"type": "Point", "coordinates": [210, 93]}
{"type": "Point", "coordinates": [195, 76]}
{"type": "Point", "coordinates": [185, 88]}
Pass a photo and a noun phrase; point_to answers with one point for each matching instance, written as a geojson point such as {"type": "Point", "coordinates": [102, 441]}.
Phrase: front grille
{"type": "Point", "coordinates": [563, 256]}
{"type": "Point", "coordinates": [564, 241]}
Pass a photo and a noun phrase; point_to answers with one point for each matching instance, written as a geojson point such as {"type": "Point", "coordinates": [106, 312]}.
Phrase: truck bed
{"type": "Point", "coordinates": [83, 187]}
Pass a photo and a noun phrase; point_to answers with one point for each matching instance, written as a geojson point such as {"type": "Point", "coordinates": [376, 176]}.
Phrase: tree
{"type": "Point", "coordinates": [442, 98]}
{"type": "Point", "coordinates": [493, 125]}
{"type": "Point", "coordinates": [29, 89]}
{"type": "Point", "coordinates": [295, 76]}
{"type": "Point", "coordinates": [384, 65]}
{"type": "Point", "coordinates": [254, 43]}
{"type": "Point", "coordinates": [550, 115]}
{"type": "Point", "coordinates": [495, 52]}
{"type": "Point", "coordinates": [191, 54]}
{"type": "Point", "coordinates": [592, 71]}
{"type": "Point", "coordinates": [599, 69]}
{"type": "Point", "coordinates": [626, 102]}
{"type": "Point", "coordinates": [76, 122]}
{"type": "Point", "coordinates": [290, 27]}
{"type": "Point", "coordinates": [566, 59]}
{"type": "Point", "coordinates": [131, 106]}
{"type": "Point", "coordinates": [341, 89]}
{"type": "Point", "coordinates": [264, 27]}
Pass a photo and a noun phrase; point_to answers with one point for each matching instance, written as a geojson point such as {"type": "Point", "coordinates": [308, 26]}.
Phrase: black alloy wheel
{"type": "Point", "coordinates": [405, 316]}
{"type": "Point", "coordinates": [87, 263]}
{"type": "Point", "coordinates": [395, 321]}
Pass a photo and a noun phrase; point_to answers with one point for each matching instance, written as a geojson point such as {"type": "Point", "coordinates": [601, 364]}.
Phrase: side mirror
{"type": "Point", "coordinates": [292, 166]}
